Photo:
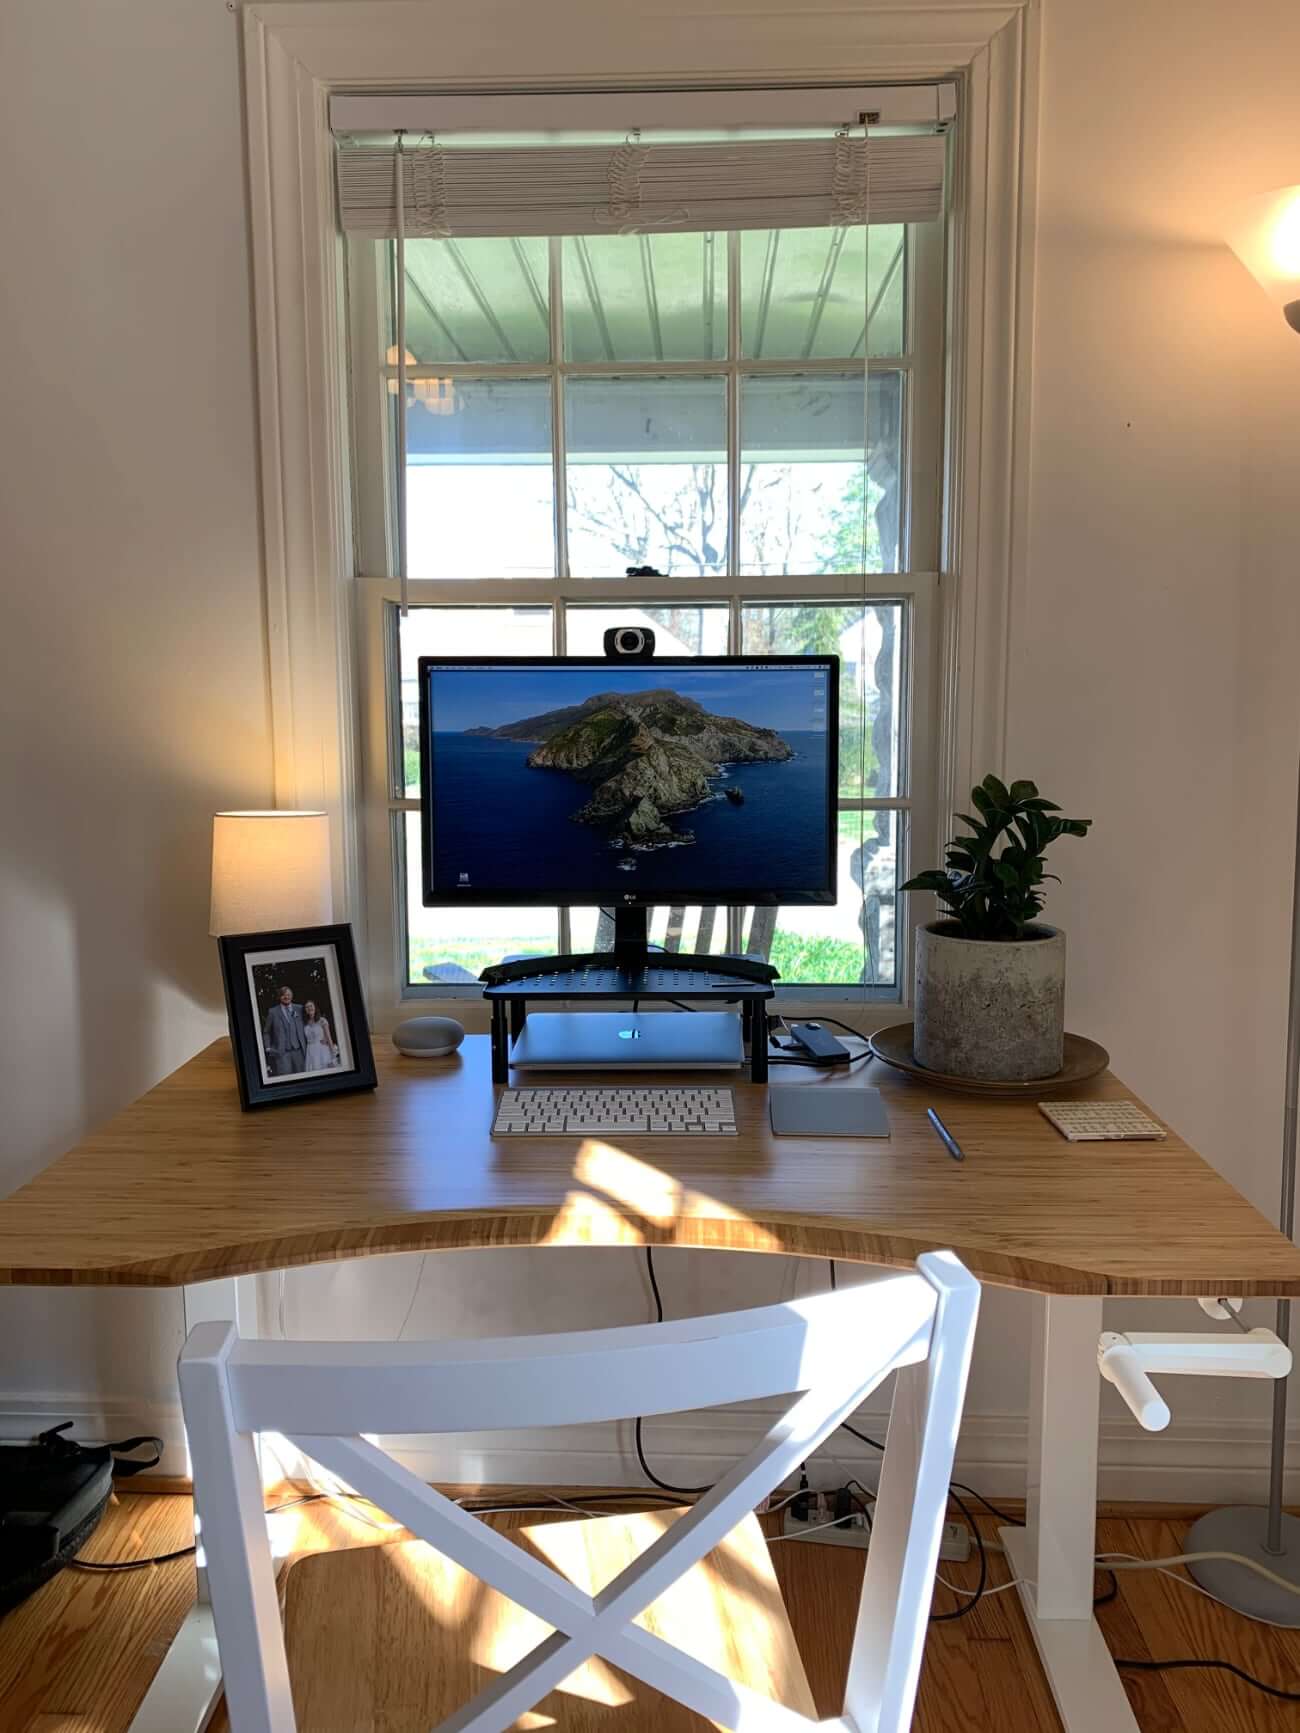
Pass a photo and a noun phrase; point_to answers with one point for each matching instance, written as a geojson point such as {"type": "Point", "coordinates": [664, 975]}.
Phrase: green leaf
{"type": "Point", "coordinates": [997, 790]}
{"type": "Point", "coordinates": [1021, 791]}
{"type": "Point", "coordinates": [930, 880]}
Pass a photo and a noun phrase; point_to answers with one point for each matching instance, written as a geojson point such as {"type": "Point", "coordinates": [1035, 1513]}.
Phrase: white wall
{"type": "Point", "coordinates": [132, 661]}
{"type": "Point", "coordinates": [1156, 641]}
{"type": "Point", "coordinates": [1152, 651]}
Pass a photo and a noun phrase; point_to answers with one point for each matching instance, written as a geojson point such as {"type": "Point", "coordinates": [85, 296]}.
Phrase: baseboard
{"type": "Point", "coordinates": [1199, 1462]}
{"type": "Point", "coordinates": [96, 1419]}
{"type": "Point", "coordinates": [1203, 1464]}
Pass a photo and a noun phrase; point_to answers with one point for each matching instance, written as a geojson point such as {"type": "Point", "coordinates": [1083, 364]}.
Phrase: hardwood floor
{"type": "Point", "coordinates": [77, 1656]}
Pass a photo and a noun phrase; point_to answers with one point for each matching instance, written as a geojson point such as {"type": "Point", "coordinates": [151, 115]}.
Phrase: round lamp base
{"type": "Point", "coordinates": [1243, 1529]}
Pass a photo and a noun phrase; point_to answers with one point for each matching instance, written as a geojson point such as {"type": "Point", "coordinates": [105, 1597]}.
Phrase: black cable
{"type": "Point", "coordinates": [1001, 1515]}
{"type": "Point", "coordinates": [861, 1436]}
{"type": "Point", "coordinates": [1011, 1521]}
{"type": "Point", "coordinates": [487, 1503]}
{"type": "Point", "coordinates": [1223, 1666]}
{"type": "Point", "coordinates": [834, 1280]}
{"type": "Point", "coordinates": [846, 1064]}
{"type": "Point", "coordinates": [651, 1476]}
{"type": "Point", "coordinates": [977, 1594]}
{"type": "Point", "coordinates": [1112, 1594]}
{"type": "Point", "coordinates": [166, 1558]}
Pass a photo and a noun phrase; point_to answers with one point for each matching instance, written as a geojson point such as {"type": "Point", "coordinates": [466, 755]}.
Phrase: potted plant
{"type": "Point", "coordinates": [990, 977]}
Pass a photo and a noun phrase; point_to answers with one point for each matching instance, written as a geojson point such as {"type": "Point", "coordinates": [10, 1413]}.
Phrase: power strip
{"type": "Point", "coordinates": [954, 1545]}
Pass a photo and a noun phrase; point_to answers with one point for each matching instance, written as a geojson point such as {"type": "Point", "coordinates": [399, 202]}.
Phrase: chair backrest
{"type": "Point", "coordinates": [827, 1353]}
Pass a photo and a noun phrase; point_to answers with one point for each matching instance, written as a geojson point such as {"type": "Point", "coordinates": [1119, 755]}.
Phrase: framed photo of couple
{"type": "Point", "coordinates": [297, 1018]}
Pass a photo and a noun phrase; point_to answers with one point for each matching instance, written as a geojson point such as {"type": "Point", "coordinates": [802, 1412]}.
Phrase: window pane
{"type": "Point", "coordinates": [869, 643]}
{"type": "Point", "coordinates": [458, 632]}
{"type": "Point", "coordinates": [645, 297]}
{"type": "Point", "coordinates": [679, 631]}
{"type": "Point", "coordinates": [477, 300]}
{"type": "Point", "coordinates": [852, 943]}
{"type": "Point", "coordinates": [480, 496]}
{"type": "Point", "coordinates": [673, 929]}
{"type": "Point", "coordinates": [801, 474]}
{"type": "Point", "coordinates": [456, 945]}
{"type": "Point", "coordinates": [647, 475]}
{"type": "Point", "coordinates": [818, 293]}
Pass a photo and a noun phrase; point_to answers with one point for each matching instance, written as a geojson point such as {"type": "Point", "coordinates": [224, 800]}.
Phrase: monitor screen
{"type": "Point", "coordinates": [575, 780]}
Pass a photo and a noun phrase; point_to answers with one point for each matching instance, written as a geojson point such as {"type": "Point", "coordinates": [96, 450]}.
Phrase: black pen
{"type": "Point", "coordinates": [954, 1148]}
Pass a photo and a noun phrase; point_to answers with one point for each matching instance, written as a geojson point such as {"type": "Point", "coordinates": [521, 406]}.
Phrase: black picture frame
{"type": "Point", "coordinates": [321, 962]}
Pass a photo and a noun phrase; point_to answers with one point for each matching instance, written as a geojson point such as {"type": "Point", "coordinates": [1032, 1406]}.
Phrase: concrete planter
{"type": "Point", "coordinates": [987, 1009]}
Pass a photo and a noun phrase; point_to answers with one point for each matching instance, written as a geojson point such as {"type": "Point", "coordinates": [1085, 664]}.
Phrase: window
{"type": "Point", "coordinates": [690, 403]}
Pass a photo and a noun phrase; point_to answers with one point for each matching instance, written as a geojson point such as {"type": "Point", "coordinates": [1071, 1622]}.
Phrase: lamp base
{"type": "Point", "coordinates": [1243, 1529]}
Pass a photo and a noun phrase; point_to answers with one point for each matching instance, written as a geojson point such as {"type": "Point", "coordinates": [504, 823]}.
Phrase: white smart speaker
{"type": "Point", "coordinates": [428, 1037]}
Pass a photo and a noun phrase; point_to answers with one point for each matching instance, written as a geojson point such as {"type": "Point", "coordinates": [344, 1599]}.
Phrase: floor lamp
{"type": "Point", "coordinates": [1265, 235]}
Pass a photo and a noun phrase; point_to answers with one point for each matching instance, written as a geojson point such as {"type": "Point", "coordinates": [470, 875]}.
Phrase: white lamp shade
{"type": "Point", "coordinates": [270, 870]}
{"type": "Point", "coordinates": [1264, 233]}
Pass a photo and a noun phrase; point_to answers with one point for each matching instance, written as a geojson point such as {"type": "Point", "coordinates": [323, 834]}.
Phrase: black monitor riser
{"type": "Point", "coordinates": [631, 970]}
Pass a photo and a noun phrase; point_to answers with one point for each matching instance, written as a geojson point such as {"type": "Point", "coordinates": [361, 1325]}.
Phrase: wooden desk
{"type": "Point", "coordinates": [183, 1188]}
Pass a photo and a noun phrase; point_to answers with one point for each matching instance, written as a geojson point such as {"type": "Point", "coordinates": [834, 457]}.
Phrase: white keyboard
{"type": "Point", "coordinates": [645, 1112]}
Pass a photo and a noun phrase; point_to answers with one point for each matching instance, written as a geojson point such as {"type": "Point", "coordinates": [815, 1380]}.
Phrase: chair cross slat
{"type": "Point", "coordinates": [920, 1325]}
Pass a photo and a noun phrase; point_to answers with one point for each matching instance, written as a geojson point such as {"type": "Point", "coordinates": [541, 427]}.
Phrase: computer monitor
{"type": "Point", "coordinates": [585, 780]}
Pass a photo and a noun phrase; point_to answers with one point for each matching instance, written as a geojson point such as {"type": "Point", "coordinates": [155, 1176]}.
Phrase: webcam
{"type": "Point", "coordinates": [630, 643]}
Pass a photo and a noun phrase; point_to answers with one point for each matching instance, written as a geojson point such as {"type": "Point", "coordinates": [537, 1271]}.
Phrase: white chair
{"type": "Point", "coordinates": [827, 1352]}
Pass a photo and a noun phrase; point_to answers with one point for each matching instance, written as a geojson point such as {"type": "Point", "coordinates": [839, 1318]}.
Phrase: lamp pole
{"type": "Point", "coordinates": [1265, 235]}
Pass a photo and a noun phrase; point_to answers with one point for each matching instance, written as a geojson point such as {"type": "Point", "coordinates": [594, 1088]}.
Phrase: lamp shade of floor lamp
{"type": "Point", "coordinates": [270, 871]}
{"type": "Point", "coordinates": [1265, 235]}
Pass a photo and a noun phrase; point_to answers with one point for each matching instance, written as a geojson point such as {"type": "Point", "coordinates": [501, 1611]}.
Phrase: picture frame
{"type": "Point", "coordinates": [298, 1026]}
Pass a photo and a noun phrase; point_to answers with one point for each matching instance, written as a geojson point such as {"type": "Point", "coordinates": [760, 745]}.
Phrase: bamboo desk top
{"type": "Point", "coordinates": [182, 1186]}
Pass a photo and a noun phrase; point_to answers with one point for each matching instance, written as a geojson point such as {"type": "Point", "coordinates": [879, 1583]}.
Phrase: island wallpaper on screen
{"type": "Point", "coordinates": [595, 782]}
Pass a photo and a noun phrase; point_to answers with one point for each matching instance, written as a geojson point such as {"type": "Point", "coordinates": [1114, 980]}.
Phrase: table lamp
{"type": "Point", "coordinates": [270, 871]}
{"type": "Point", "coordinates": [1264, 233]}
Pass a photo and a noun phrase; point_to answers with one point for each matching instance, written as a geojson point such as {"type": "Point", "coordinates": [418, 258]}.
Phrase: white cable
{"type": "Point", "coordinates": [1129, 1562]}
{"type": "Point", "coordinates": [1191, 1583]}
{"type": "Point", "coordinates": [967, 1592]}
{"type": "Point", "coordinates": [415, 1294]}
{"type": "Point", "coordinates": [399, 263]}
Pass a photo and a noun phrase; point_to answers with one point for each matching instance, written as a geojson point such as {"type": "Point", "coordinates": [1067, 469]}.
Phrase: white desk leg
{"type": "Point", "coordinates": [1054, 1551]}
{"type": "Point", "coordinates": [187, 1686]}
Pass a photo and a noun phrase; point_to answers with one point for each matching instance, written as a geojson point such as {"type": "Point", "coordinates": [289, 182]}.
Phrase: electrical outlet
{"type": "Point", "coordinates": [955, 1542]}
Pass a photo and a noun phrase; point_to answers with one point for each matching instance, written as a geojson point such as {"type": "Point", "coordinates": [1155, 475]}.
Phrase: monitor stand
{"type": "Point", "coordinates": [630, 971]}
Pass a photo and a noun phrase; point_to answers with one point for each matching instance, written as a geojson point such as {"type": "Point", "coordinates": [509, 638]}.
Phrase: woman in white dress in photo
{"type": "Point", "coordinates": [322, 1054]}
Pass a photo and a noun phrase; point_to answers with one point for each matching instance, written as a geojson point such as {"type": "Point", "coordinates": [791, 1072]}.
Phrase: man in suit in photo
{"type": "Point", "coordinates": [283, 1040]}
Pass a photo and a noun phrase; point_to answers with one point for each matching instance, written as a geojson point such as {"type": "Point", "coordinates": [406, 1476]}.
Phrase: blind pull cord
{"type": "Point", "coordinates": [399, 176]}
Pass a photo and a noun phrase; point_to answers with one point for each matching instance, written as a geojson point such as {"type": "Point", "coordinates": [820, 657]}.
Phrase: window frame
{"type": "Point", "coordinates": [921, 364]}
{"type": "Point", "coordinates": [296, 56]}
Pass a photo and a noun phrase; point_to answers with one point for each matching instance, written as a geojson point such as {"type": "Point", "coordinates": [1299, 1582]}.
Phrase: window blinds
{"type": "Point", "coordinates": [636, 187]}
